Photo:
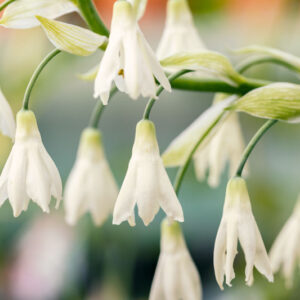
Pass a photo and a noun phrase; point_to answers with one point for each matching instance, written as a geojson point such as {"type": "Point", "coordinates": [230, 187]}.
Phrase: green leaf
{"type": "Point", "coordinates": [71, 38]}
{"type": "Point", "coordinates": [180, 148]}
{"type": "Point", "coordinates": [208, 61]}
{"type": "Point", "coordinates": [283, 57]}
{"type": "Point", "coordinates": [280, 101]}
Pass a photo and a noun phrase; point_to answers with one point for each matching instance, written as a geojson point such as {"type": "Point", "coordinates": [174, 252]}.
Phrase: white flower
{"type": "Point", "coordinates": [21, 14]}
{"type": "Point", "coordinates": [180, 33]}
{"type": "Point", "coordinates": [128, 59]}
{"type": "Point", "coordinates": [285, 252]}
{"type": "Point", "coordinates": [43, 260]}
{"type": "Point", "coordinates": [7, 121]}
{"type": "Point", "coordinates": [91, 185]}
{"type": "Point", "coordinates": [29, 172]}
{"type": "Point", "coordinates": [176, 276]}
{"type": "Point", "coordinates": [226, 145]}
{"type": "Point", "coordinates": [146, 182]}
{"type": "Point", "coordinates": [238, 223]}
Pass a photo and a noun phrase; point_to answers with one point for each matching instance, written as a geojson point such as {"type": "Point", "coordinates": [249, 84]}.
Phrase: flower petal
{"type": "Point", "coordinates": [124, 207]}
{"type": "Point", "coordinates": [21, 14]}
{"type": "Point", "coordinates": [38, 181]}
{"type": "Point", "coordinates": [108, 69]}
{"type": "Point", "coordinates": [146, 189]}
{"type": "Point", "coordinates": [7, 120]}
{"type": "Point", "coordinates": [71, 38]}
{"type": "Point", "coordinates": [220, 254]}
{"type": "Point", "coordinates": [167, 197]}
{"type": "Point", "coordinates": [157, 291]}
{"type": "Point", "coordinates": [16, 181]}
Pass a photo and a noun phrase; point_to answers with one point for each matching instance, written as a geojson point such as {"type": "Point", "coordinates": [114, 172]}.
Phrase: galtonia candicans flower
{"type": "Point", "coordinates": [176, 276]}
{"type": "Point", "coordinates": [91, 185]}
{"type": "Point", "coordinates": [7, 121]}
{"type": "Point", "coordinates": [238, 223]}
{"type": "Point", "coordinates": [128, 59]}
{"type": "Point", "coordinates": [180, 33]}
{"type": "Point", "coordinates": [29, 172]}
{"type": "Point", "coordinates": [226, 145]}
{"type": "Point", "coordinates": [146, 182]}
{"type": "Point", "coordinates": [285, 252]}
{"type": "Point", "coordinates": [43, 261]}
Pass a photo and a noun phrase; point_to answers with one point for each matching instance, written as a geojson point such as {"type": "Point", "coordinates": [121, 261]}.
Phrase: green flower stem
{"type": "Point", "coordinates": [99, 107]}
{"type": "Point", "coordinates": [35, 76]}
{"type": "Point", "coordinates": [182, 170]}
{"type": "Point", "coordinates": [6, 3]}
{"type": "Point", "coordinates": [252, 144]}
{"type": "Point", "coordinates": [91, 16]}
{"type": "Point", "coordinates": [212, 85]}
{"type": "Point", "coordinates": [252, 61]}
{"type": "Point", "coordinates": [159, 91]}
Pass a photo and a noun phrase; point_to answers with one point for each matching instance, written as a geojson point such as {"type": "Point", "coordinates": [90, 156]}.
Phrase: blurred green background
{"type": "Point", "coordinates": [118, 262]}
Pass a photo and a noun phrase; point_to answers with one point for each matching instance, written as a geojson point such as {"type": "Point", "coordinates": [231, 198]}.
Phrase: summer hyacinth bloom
{"type": "Point", "coordinates": [91, 185]}
{"type": "Point", "coordinates": [226, 145]}
{"type": "Point", "coordinates": [285, 253]}
{"type": "Point", "coordinates": [41, 265]}
{"type": "Point", "coordinates": [7, 121]}
{"type": "Point", "coordinates": [180, 33]}
{"type": "Point", "coordinates": [238, 223]}
{"type": "Point", "coordinates": [176, 276]}
{"type": "Point", "coordinates": [146, 182]}
{"type": "Point", "coordinates": [29, 172]}
{"type": "Point", "coordinates": [128, 59]}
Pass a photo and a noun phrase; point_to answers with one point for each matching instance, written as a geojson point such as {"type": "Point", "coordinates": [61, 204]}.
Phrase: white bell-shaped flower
{"type": "Point", "coordinates": [29, 172]}
{"type": "Point", "coordinates": [91, 185]}
{"type": "Point", "coordinates": [146, 182]}
{"type": "Point", "coordinates": [180, 33]}
{"type": "Point", "coordinates": [285, 252]}
{"type": "Point", "coordinates": [128, 59]}
{"type": "Point", "coordinates": [227, 145]}
{"type": "Point", "coordinates": [176, 276]}
{"type": "Point", "coordinates": [238, 223]}
{"type": "Point", "coordinates": [7, 120]}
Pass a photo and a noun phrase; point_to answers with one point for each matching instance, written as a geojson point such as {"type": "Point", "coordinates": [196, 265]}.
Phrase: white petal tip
{"type": "Point", "coordinates": [16, 213]}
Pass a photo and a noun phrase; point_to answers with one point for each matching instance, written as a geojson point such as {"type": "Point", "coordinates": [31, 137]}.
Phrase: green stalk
{"type": "Point", "coordinates": [216, 86]}
{"type": "Point", "coordinates": [6, 3]}
{"type": "Point", "coordinates": [252, 144]}
{"type": "Point", "coordinates": [98, 110]}
{"type": "Point", "coordinates": [253, 61]}
{"type": "Point", "coordinates": [159, 91]}
{"type": "Point", "coordinates": [182, 171]}
{"type": "Point", "coordinates": [35, 76]}
{"type": "Point", "coordinates": [91, 16]}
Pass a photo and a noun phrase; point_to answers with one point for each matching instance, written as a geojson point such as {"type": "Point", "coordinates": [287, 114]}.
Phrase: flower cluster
{"type": "Point", "coordinates": [213, 140]}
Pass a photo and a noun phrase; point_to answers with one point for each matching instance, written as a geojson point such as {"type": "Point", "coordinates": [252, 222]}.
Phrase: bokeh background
{"type": "Point", "coordinates": [42, 258]}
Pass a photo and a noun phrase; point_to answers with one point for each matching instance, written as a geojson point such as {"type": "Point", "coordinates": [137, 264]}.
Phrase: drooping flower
{"type": "Point", "coordinates": [180, 33]}
{"type": "Point", "coordinates": [238, 223]}
{"type": "Point", "coordinates": [7, 121]}
{"type": "Point", "coordinates": [29, 172]}
{"type": "Point", "coordinates": [91, 185]}
{"type": "Point", "coordinates": [21, 14]}
{"type": "Point", "coordinates": [176, 276]}
{"type": "Point", "coordinates": [226, 145]}
{"type": "Point", "coordinates": [146, 182]}
{"type": "Point", "coordinates": [285, 252]}
{"type": "Point", "coordinates": [41, 265]}
{"type": "Point", "coordinates": [128, 59]}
